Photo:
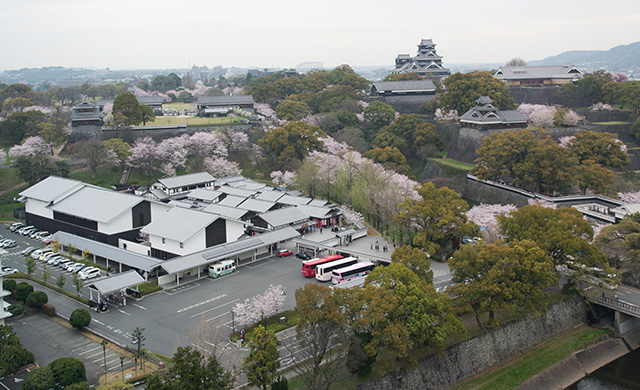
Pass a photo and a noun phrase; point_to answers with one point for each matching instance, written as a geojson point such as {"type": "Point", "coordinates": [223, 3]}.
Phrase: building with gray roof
{"type": "Point", "coordinates": [270, 196]}
{"type": "Point", "coordinates": [426, 63]}
{"type": "Point", "coordinates": [86, 114]}
{"type": "Point", "coordinates": [291, 200]}
{"type": "Point", "coordinates": [538, 76]}
{"type": "Point", "coordinates": [185, 183]}
{"type": "Point", "coordinates": [257, 206]}
{"type": "Point", "coordinates": [237, 191]}
{"type": "Point", "coordinates": [232, 201]}
{"type": "Point", "coordinates": [288, 216]}
{"type": "Point", "coordinates": [204, 195]}
{"type": "Point", "coordinates": [182, 231]}
{"type": "Point", "coordinates": [228, 212]}
{"type": "Point", "coordinates": [403, 88]}
{"type": "Point", "coordinates": [223, 105]}
{"type": "Point", "coordinates": [485, 116]}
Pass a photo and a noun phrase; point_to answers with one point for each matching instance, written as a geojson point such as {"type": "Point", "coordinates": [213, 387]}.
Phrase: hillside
{"type": "Point", "coordinates": [623, 58]}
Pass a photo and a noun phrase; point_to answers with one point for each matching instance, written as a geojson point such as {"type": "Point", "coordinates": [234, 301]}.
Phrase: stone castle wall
{"type": "Point", "coordinates": [479, 353]}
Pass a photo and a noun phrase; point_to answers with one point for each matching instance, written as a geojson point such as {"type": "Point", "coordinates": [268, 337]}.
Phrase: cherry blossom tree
{"type": "Point", "coordinates": [32, 146]}
{"type": "Point", "coordinates": [107, 108]}
{"type": "Point", "coordinates": [260, 307]}
{"type": "Point", "coordinates": [351, 217]}
{"type": "Point", "coordinates": [451, 115]}
{"type": "Point", "coordinates": [244, 313]}
{"type": "Point", "coordinates": [286, 178]}
{"type": "Point", "coordinates": [145, 155]}
{"type": "Point", "coordinates": [174, 153]}
{"type": "Point", "coordinates": [221, 167]}
{"type": "Point", "coordinates": [629, 197]}
{"type": "Point", "coordinates": [44, 110]}
{"type": "Point", "coordinates": [484, 215]}
{"type": "Point", "coordinates": [565, 141]}
{"type": "Point", "coordinates": [203, 145]}
{"type": "Point", "coordinates": [542, 203]}
{"type": "Point", "coordinates": [571, 118]}
{"type": "Point", "coordinates": [334, 147]}
{"type": "Point", "coordinates": [601, 107]}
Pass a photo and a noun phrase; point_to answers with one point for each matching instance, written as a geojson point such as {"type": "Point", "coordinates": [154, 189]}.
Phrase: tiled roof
{"type": "Point", "coordinates": [537, 72]}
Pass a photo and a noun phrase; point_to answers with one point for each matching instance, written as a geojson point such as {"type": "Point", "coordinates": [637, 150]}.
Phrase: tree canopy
{"type": "Point", "coordinates": [439, 219]}
{"type": "Point", "coordinates": [501, 276]}
{"type": "Point", "coordinates": [13, 356]}
{"type": "Point", "coordinates": [463, 89]}
{"type": "Point", "coordinates": [262, 363]}
{"type": "Point", "coordinates": [561, 233]}
{"type": "Point", "coordinates": [126, 109]}
{"type": "Point", "coordinates": [285, 147]}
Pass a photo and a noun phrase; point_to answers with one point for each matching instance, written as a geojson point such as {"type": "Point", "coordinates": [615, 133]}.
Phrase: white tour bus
{"type": "Point", "coordinates": [358, 270]}
{"type": "Point", "coordinates": [323, 271]}
{"type": "Point", "coordinates": [222, 268]}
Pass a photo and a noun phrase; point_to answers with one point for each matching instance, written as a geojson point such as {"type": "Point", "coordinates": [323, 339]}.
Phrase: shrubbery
{"type": "Point", "coordinates": [80, 318]}
{"type": "Point", "coordinates": [9, 285]}
{"type": "Point", "coordinates": [22, 291]}
{"type": "Point", "coordinates": [36, 299]}
{"type": "Point", "coordinates": [16, 309]}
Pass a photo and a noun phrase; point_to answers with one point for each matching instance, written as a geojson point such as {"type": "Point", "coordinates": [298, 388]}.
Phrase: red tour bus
{"type": "Point", "coordinates": [309, 266]}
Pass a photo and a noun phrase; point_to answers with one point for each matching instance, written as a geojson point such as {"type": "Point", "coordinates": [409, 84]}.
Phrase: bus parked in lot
{"type": "Point", "coordinates": [356, 271]}
{"type": "Point", "coordinates": [221, 268]}
{"type": "Point", "coordinates": [323, 271]}
{"type": "Point", "coordinates": [309, 266]}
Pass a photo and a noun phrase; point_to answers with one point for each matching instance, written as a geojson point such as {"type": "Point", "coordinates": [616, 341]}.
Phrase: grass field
{"type": "Point", "coordinates": [194, 120]}
{"type": "Point", "coordinates": [454, 163]}
{"type": "Point", "coordinates": [511, 373]}
{"type": "Point", "coordinates": [612, 123]}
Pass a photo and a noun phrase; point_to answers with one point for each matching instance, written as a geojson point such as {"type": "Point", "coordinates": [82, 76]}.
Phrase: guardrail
{"type": "Point", "coordinates": [613, 302]}
{"type": "Point", "coordinates": [632, 285]}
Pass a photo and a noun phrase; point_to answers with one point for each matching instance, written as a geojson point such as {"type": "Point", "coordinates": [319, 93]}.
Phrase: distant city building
{"type": "Point", "coordinates": [484, 116]}
{"type": "Point", "coordinates": [402, 88]}
{"type": "Point", "coordinates": [427, 63]}
{"type": "Point", "coordinates": [538, 76]}
{"type": "Point", "coordinates": [86, 114]}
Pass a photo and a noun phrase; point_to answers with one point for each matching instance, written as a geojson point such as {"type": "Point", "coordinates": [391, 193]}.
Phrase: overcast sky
{"type": "Point", "coordinates": [161, 34]}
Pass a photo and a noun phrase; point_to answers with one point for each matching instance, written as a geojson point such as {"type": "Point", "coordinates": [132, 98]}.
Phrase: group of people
{"type": "Point", "coordinates": [385, 248]}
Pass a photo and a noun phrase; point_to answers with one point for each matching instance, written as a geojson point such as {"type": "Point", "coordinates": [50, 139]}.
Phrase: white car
{"type": "Point", "coordinates": [9, 270]}
{"type": "Point", "coordinates": [89, 273]}
{"type": "Point", "coordinates": [8, 243]}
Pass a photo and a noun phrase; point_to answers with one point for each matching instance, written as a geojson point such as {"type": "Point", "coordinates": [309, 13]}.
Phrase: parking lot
{"type": "Point", "coordinates": [48, 341]}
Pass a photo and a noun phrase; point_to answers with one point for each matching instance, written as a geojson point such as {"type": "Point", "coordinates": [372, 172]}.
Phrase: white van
{"type": "Point", "coordinates": [222, 268]}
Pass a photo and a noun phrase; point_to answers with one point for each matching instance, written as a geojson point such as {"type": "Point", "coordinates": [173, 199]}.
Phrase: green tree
{"type": "Point", "coordinates": [33, 169]}
{"type": "Point", "coordinates": [36, 299]}
{"type": "Point", "coordinates": [126, 110]}
{"type": "Point", "coordinates": [591, 85]}
{"type": "Point", "coordinates": [163, 83]}
{"type": "Point", "coordinates": [31, 265]}
{"type": "Point", "coordinates": [409, 134]}
{"type": "Point", "coordinates": [13, 356]}
{"type": "Point", "coordinates": [263, 362]}
{"type": "Point", "coordinates": [287, 146]}
{"type": "Point", "coordinates": [23, 289]}
{"type": "Point", "coordinates": [21, 125]}
{"type": "Point", "coordinates": [592, 176]}
{"type": "Point", "coordinates": [60, 281]}
{"type": "Point", "coordinates": [403, 312]}
{"type": "Point", "coordinates": [438, 218]}
{"type": "Point", "coordinates": [67, 371]}
{"type": "Point", "coordinates": [320, 336]}
{"type": "Point", "coordinates": [17, 104]}
{"type": "Point", "coordinates": [77, 282]}
{"type": "Point", "coordinates": [500, 276]}
{"type": "Point", "coordinates": [147, 114]}
{"type": "Point", "coordinates": [378, 115]}
{"type": "Point", "coordinates": [463, 89]}
{"type": "Point", "coordinates": [601, 148]}
{"type": "Point", "coordinates": [390, 157]}
{"type": "Point", "coordinates": [529, 158]}
{"type": "Point", "coordinates": [192, 370]}
{"type": "Point", "coordinates": [562, 233]}
{"type": "Point", "coordinates": [9, 285]}
{"type": "Point", "coordinates": [46, 273]}
{"type": "Point", "coordinates": [120, 147]}
{"type": "Point", "coordinates": [292, 110]}
{"type": "Point", "coordinates": [39, 379]}
{"type": "Point", "coordinates": [80, 318]}
{"type": "Point", "coordinates": [402, 77]}
{"type": "Point", "coordinates": [415, 260]}
{"type": "Point", "coordinates": [621, 243]}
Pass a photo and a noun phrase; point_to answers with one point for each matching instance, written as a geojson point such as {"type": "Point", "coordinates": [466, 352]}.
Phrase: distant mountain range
{"type": "Point", "coordinates": [623, 58]}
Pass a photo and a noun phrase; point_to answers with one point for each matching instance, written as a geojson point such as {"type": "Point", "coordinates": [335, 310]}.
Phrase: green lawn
{"type": "Point", "coordinates": [508, 375]}
{"type": "Point", "coordinates": [454, 163]}
{"type": "Point", "coordinates": [612, 123]}
{"type": "Point", "coordinates": [193, 120]}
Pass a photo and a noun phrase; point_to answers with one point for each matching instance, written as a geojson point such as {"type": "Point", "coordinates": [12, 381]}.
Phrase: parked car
{"type": "Point", "coordinates": [75, 268]}
{"type": "Point", "coordinates": [303, 256]}
{"type": "Point", "coordinates": [23, 228]}
{"type": "Point", "coordinates": [89, 273]}
{"type": "Point", "coordinates": [54, 260]}
{"type": "Point", "coordinates": [32, 234]}
{"type": "Point", "coordinates": [15, 226]}
{"type": "Point", "coordinates": [9, 270]}
{"type": "Point", "coordinates": [63, 262]}
{"type": "Point", "coordinates": [9, 243]}
{"type": "Point", "coordinates": [27, 251]}
{"type": "Point", "coordinates": [284, 252]}
{"type": "Point", "coordinates": [67, 264]}
{"type": "Point", "coordinates": [42, 233]}
{"type": "Point", "coordinates": [46, 254]}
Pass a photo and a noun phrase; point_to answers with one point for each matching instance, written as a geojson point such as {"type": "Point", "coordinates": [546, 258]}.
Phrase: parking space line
{"type": "Point", "coordinates": [124, 312]}
{"type": "Point", "coordinates": [89, 350]}
{"type": "Point", "coordinates": [215, 308]}
{"type": "Point", "coordinates": [136, 305]}
{"type": "Point", "coordinates": [218, 316]}
{"type": "Point", "coordinates": [94, 320]}
{"type": "Point", "coordinates": [111, 361]}
{"type": "Point", "coordinates": [84, 346]}
{"type": "Point", "coordinates": [201, 303]}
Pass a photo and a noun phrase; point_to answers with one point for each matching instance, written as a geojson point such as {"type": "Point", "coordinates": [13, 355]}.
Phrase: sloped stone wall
{"type": "Point", "coordinates": [477, 354]}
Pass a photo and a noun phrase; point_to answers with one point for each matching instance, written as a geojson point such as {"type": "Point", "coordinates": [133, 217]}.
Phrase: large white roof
{"type": "Point", "coordinates": [96, 204]}
{"type": "Point", "coordinates": [179, 224]}
{"type": "Point", "coordinates": [51, 188]}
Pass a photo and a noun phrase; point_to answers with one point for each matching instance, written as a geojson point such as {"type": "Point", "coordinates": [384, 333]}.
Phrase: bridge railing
{"type": "Point", "coordinates": [612, 302]}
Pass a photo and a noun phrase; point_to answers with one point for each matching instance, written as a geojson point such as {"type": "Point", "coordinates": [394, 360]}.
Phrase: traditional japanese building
{"type": "Point", "coordinates": [223, 105]}
{"type": "Point", "coordinates": [403, 88]}
{"type": "Point", "coordinates": [427, 63]}
{"type": "Point", "coordinates": [485, 116]}
{"type": "Point", "coordinates": [86, 114]}
{"type": "Point", "coordinates": [538, 76]}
